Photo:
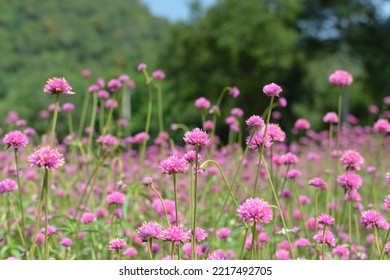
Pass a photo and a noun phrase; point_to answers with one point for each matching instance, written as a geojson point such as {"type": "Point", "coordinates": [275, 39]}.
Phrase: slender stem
{"type": "Point", "coordinates": [20, 196]}
{"type": "Point", "coordinates": [350, 224]}
{"type": "Point", "coordinates": [194, 197]}
{"type": "Point", "coordinates": [377, 240]}
{"type": "Point", "coordinates": [340, 122]}
{"type": "Point", "coordinates": [34, 241]}
{"type": "Point", "coordinates": [148, 118]}
{"type": "Point", "coordinates": [316, 209]}
{"type": "Point", "coordinates": [257, 175]}
{"type": "Point", "coordinates": [92, 124]}
{"type": "Point", "coordinates": [150, 248]}
{"type": "Point", "coordinates": [384, 243]}
{"type": "Point", "coordinates": [46, 185]}
{"type": "Point", "coordinates": [176, 200]}
{"type": "Point", "coordinates": [54, 121]}
{"type": "Point", "coordinates": [83, 115]}
{"type": "Point", "coordinates": [101, 116]}
{"type": "Point", "coordinates": [323, 243]}
{"type": "Point", "coordinates": [279, 208]}
{"type": "Point", "coordinates": [254, 240]}
{"type": "Point", "coordinates": [160, 107]}
{"type": "Point", "coordinates": [162, 203]}
{"type": "Point", "coordinates": [243, 244]}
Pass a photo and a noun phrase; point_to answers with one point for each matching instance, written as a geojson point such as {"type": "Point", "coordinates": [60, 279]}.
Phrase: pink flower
{"type": "Point", "coordinates": [282, 254]}
{"type": "Point", "coordinates": [223, 233]}
{"type": "Point", "coordinates": [302, 242]}
{"type": "Point", "coordinates": [289, 159]}
{"type": "Point", "coordinates": [258, 139]}
{"type": "Point", "coordinates": [302, 124]}
{"type": "Point", "coordinates": [16, 139]}
{"type": "Point", "coordinates": [196, 137]}
{"type": "Point", "coordinates": [175, 234]}
{"type": "Point", "coordinates": [108, 140]}
{"type": "Point", "coordinates": [85, 73]}
{"type": "Point", "coordinates": [113, 85]}
{"type": "Point", "coordinates": [255, 121]}
{"type": "Point", "coordinates": [372, 218]}
{"type": "Point", "coordinates": [330, 117]}
{"type": "Point", "coordinates": [234, 92]}
{"type": "Point", "coordinates": [387, 202]}
{"type": "Point", "coordinates": [87, 218]}
{"type": "Point", "coordinates": [341, 251]}
{"type": "Point", "coordinates": [103, 94]}
{"type": "Point", "coordinates": [329, 238]}
{"type": "Point", "coordinates": [124, 78]}
{"type": "Point", "coordinates": [381, 126]}
{"type": "Point", "coordinates": [200, 234]}
{"type": "Point", "coordinates": [149, 230]}
{"type": "Point", "coordinates": [57, 86]}
{"type": "Point", "coordinates": [272, 89]}
{"type": "Point", "coordinates": [202, 103]}
{"type": "Point", "coordinates": [352, 160]}
{"type": "Point", "coordinates": [158, 75]}
{"type": "Point", "coordinates": [173, 165]}
{"type": "Point", "coordinates": [255, 210]}
{"type": "Point", "coordinates": [116, 244]}
{"type": "Point", "coordinates": [325, 219]}
{"type": "Point", "coordinates": [141, 67]}
{"type": "Point", "coordinates": [340, 78]}
{"type": "Point", "coordinates": [350, 181]}
{"type": "Point", "coordinates": [66, 242]}
{"type": "Point", "coordinates": [8, 185]}
{"type": "Point", "coordinates": [111, 104]}
{"type": "Point", "coordinates": [318, 183]}
{"type": "Point", "coordinates": [116, 198]}
{"type": "Point", "coordinates": [46, 157]}
{"type": "Point", "coordinates": [387, 248]}
{"type": "Point", "coordinates": [130, 252]}
{"type": "Point", "coordinates": [68, 107]}
{"type": "Point", "coordinates": [190, 156]}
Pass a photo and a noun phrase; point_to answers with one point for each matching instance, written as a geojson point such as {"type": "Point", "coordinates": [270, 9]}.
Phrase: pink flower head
{"type": "Point", "coordinates": [282, 254]}
{"type": "Point", "coordinates": [381, 126]}
{"type": "Point", "coordinates": [293, 174]}
{"type": "Point", "coordinates": [93, 88]}
{"type": "Point", "coordinates": [11, 117]}
{"type": "Point", "coordinates": [20, 123]}
{"type": "Point", "coordinates": [8, 185]}
{"type": "Point", "coordinates": [350, 181]}
{"type": "Point", "coordinates": [372, 218]}
{"type": "Point", "coordinates": [275, 133]}
{"type": "Point", "coordinates": [141, 67]}
{"type": "Point", "coordinates": [85, 73]}
{"type": "Point", "coordinates": [46, 157]}
{"type": "Point", "coordinates": [50, 230]}
{"type": "Point", "coordinates": [116, 198]}
{"type": "Point", "coordinates": [272, 89]}
{"type": "Point", "coordinates": [57, 86]}
{"type": "Point", "coordinates": [341, 251]}
{"type": "Point", "coordinates": [130, 252]}
{"type": "Point", "coordinates": [173, 165]}
{"type": "Point", "coordinates": [340, 78]}
{"type": "Point", "coordinates": [223, 233]}
{"type": "Point", "coordinates": [147, 181]}
{"type": "Point", "coordinates": [234, 92]}
{"type": "Point", "coordinates": [190, 156]}
{"type": "Point", "coordinates": [108, 140]}
{"type": "Point", "coordinates": [255, 121]}
{"type": "Point", "coordinates": [255, 210]}
{"type": "Point", "coordinates": [68, 107]}
{"type": "Point", "coordinates": [111, 104]}
{"type": "Point", "coordinates": [289, 159]}
{"type": "Point", "coordinates": [103, 94]}
{"type": "Point", "coordinates": [158, 75]}
{"type": "Point", "coordinates": [16, 139]}
{"type": "Point", "coordinates": [200, 234]}
{"type": "Point", "coordinates": [330, 117]}
{"type": "Point", "coordinates": [113, 85]}
{"type": "Point", "coordinates": [87, 218]}
{"type": "Point", "coordinates": [237, 112]}
{"type": "Point", "coordinates": [149, 230]}
{"type": "Point", "coordinates": [175, 234]}
{"type": "Point", "coordinates": [202, 103]}
{"type": "Point", "coordinates": [66, 242]}
{"type": "Point", "coordinates": [387, 203]}
{"type": "Point", "coordinates": [329, 238]}
{"type": "Point", "coordinates": [196, 137]}
{"type": "Point", "coordinates": [318, 183]}
{"type": "Point", "coordinates": [258, 139]}
{"type": "Point", "coordinates": [116, 244]}
{"type": "Point", "coordinates": [217, 255]}
{"type": "Point", "coordinates": [325, 219]}
{"type": "Point", "coordinates": [302, 242]}
{"type": "Point", "coordinates": [302, 124]}
{"type": "Point", "coordinates": [387, 248]}
{"type": "Point", "coordinates": [352, 160]}
{"type": "Point", "coordinates": [124, 78]}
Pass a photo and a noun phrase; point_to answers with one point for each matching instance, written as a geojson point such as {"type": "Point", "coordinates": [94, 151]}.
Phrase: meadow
{"type": "Point", "coordinates": [101, 193]}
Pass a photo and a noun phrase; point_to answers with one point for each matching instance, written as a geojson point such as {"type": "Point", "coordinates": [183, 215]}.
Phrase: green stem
{"type": "Point", "coordinates": [160, 107]}
{"type": "Point", "coordinates": [257, 175]}
{"type": "Point", "coordinates": [150, 248]}
{"type": "Point", "coordinates": [92, 124]}
{"type": "Point", "coordinates": [70, 123]}
{"type": "Point", "coordinates": [350, 224]}
{"type": "Point", "coordinates": [193, 198]}
{"type": "Point", "coordinates": [254, 241]}
{"type": "Point", "coordinates": [279, 208]}
{"type": "Point", "coordinates": [46, 186]}
{"type": "Point", "coordinates": [20, 197]}
{"type": "Point", "coordinates": [54, 121]}
{"type": "Point", "coordinates": [384, 244]}
{"type": "Point", "coordinates": [377, 240]}
{"type": "Point", "coordinates": [162, 203]}
{"type": "Point", "coordinates": [176, 200]}
{"type": "Point", "coordinates": [147, 126]}
{"type": "Point", "coordinates": [83, 115]}
{"type": "Point", "coordinates": [323, 242]}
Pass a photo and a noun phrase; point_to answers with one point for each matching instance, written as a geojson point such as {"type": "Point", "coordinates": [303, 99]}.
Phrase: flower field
{"type": "Point", "coordinates": [100, 193]}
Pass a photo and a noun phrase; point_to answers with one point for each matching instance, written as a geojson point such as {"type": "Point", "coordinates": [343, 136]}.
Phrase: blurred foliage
{"type": "Point", "coordinates": [295, 43]}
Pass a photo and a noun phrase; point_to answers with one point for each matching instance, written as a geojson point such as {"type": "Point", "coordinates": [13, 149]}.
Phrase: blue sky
{"type": "Point", "coordinates": [173, 9]}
